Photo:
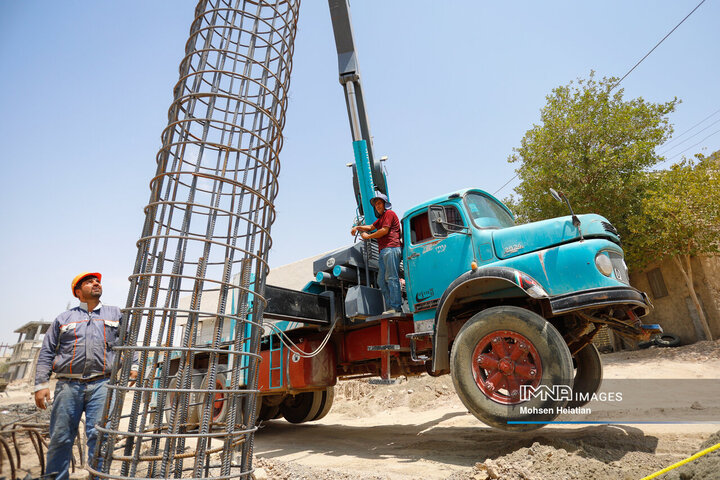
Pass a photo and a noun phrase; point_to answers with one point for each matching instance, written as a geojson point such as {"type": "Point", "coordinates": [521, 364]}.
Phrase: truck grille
{"type": "Point", "coordinates": [609, 228]}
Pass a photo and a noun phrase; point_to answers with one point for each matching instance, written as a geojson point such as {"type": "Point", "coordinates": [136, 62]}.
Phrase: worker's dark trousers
{"type": "Point", "coordinates": [71, 400]}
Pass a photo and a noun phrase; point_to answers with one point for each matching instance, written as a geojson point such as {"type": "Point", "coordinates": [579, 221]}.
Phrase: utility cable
{"type": "Point", "coordinates": [690, 137]}
{"type": "Point", "coordinates": [633, 68]}
{"type": "Point", "coordinates": [657, 45]}
{"type": "Point", "coordinates": [691, 128]}
{"type": "Point", "coordinates": [506, 184]}
{"type": "Point", "coordinates": [683, 462]}
{"type": "Point", "coordinates": [294, 348]}
{"type": "Point", "coordinates": [693, 146]}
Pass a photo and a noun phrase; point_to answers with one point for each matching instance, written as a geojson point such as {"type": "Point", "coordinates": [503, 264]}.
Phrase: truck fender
{"type": "Point", "coordinates": [488, 281]}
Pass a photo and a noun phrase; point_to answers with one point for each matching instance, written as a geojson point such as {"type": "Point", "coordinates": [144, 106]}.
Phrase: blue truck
{"type": "Point", "coordinates": [509, 311]}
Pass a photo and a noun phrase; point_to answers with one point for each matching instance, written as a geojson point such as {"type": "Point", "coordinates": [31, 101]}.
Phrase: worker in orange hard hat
{"type": "Point", "coordinates": [77, 348]}
{"type": "Point", "coordinates": [79, 278]}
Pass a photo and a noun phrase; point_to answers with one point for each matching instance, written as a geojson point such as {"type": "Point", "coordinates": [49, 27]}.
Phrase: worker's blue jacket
{"type": "Point", "coordinates": [78, 344]}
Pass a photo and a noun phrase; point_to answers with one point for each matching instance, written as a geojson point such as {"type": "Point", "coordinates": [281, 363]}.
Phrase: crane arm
{"type": "Point", "coordinates": [368, 175]}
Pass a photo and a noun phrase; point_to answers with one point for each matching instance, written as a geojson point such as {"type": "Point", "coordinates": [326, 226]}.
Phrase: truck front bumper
{"type": "Point", "coordinates": [631, 297]}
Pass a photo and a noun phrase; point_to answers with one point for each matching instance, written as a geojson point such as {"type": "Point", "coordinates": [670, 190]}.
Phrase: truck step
{"type": "Point", "coordinates": [413, 336]}
{"type": "Point", "coordinates": [374, 348]}
{"type": "Point", "coordinates": [388, 315]}
{"type": "Point", "coordinates": [383, 381]}
{"type": "Point", "coordinates": [386, 352]}
{"type": "Point", "coordinates": [413, 348]}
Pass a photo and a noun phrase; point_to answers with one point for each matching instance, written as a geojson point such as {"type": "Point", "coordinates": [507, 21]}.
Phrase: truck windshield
{"type": "Point", "coordinates": [486, 213]}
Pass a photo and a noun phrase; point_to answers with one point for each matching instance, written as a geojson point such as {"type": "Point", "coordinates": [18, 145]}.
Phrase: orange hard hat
{"type": "Point", "coordinates": [82, 277]}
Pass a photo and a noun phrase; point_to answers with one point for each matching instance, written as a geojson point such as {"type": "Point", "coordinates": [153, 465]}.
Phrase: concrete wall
{"type": "Point", "coordinates": [676, 312]}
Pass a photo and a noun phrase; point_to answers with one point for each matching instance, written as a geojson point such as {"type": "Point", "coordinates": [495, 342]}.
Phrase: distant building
{"type": "Point", "coordinates": [294, 275]}
{"type": "Point", "coordinates": [674, 310]}
{"type": "Point", "coordinates": [21, 364]}
{"type": "Point", "coordinates": [5, 351]}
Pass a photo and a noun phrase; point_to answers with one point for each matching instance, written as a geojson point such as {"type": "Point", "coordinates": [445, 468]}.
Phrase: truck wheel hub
{"type": "Point", "coordinates": [506, 366]}
{"type": "Point", "coordinates": [503, 362]}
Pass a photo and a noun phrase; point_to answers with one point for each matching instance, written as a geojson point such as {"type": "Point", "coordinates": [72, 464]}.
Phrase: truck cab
{"type": "Point", "coordinates": [463, 251]}
{"type": "Point", "coordinates": [446, 237]}
{"type": "Point", "coordinates": [466, 231]}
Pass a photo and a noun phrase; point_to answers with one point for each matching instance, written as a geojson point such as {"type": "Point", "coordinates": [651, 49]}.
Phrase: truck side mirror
{"type": "Point", "coordinates": [559, 196]}
{"type": "Point", "coordinates": [438, 220]}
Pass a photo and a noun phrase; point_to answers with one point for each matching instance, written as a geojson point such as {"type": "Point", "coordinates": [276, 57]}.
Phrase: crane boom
{"type": "Point", "coordinates": [368, 175]}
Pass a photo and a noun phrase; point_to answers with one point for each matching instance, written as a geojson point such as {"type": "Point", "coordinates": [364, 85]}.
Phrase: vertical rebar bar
{"type": "Point", "coordinates": [205, 239]}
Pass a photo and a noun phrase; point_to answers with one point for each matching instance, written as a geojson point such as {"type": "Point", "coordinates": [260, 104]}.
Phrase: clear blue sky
{"type": "Point", "coordinates": [451, 88]}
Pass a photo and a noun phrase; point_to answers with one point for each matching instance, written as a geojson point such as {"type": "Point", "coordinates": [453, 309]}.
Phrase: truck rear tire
{"type": "Point", "coordinates": [496, 352]}
{"type": "Point", "coordinates": [302, 407]}
{"type": "Point", "coordinates": [268, 407]}
{"type": "Point", "coordinates": [326, 401]}
{"type": "Point", "coordinates": [588, 375]}
{"type": "Point", "coordinates": [268, 412]}
{"type": "Point", "coordinates": [219, 405]}
{"type": "Point", "coordinates": [193, 409]}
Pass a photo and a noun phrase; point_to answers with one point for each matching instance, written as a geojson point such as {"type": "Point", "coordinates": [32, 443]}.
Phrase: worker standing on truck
{"type": "Point", "coordinates": [387, 232]}
{"type": "Point", "coordinates": [78, 348]}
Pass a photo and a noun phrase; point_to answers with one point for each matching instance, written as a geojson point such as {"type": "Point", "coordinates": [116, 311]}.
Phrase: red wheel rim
{"type": "Point", "coordinates": [503, 361]}
{"type": "Point", "coordinates": [218, 401]}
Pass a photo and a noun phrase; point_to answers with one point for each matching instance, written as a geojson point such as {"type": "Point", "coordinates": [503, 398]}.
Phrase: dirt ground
{"type": "Point", "coordinates": [420, 429]}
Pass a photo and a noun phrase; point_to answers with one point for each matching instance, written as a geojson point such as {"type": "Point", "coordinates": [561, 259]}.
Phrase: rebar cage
{"type": "Point", "coordinates": [193, 319]}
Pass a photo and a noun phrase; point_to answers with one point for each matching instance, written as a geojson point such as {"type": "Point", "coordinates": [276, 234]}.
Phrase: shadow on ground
{"type": "Point", "coordinates": [455, 445]}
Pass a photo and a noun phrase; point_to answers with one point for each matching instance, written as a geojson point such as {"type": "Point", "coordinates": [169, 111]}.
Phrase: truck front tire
{"type": "Point", "coordinates": [588, 375]}
{"type": "Point", "coordinates": [499, 350]}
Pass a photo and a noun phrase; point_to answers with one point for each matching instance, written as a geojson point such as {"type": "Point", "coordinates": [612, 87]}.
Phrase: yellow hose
{"type": "Point", "coordinates": [683, 462]}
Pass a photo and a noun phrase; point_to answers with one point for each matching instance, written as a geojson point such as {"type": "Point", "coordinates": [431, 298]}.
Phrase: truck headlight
{"type": "Point", "coordinates": [603, 264]}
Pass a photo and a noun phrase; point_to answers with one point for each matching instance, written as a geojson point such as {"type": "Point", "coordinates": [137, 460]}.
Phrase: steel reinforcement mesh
{"type": "Point", "coordinates": [193, 319]}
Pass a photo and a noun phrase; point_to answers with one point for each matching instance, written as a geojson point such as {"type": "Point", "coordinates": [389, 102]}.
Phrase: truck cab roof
{"type": "Point", "coordinates": [456, 194]}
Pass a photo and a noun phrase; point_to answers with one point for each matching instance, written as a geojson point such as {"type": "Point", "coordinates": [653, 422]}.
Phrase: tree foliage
{"type": "Point", "coordinates": [594, 146]}
{"type": "Point", "coordinates": [680, 218]}
{"type": "Point", "coordinates": [680, 211]}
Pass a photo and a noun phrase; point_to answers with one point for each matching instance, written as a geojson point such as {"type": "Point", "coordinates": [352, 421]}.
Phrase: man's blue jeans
{"type": "Point", "coordinates": [71, 400]}
{"type": "Point", "coordinates": [389, 276]}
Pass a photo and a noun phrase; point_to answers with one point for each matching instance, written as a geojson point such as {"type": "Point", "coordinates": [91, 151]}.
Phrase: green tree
{"type": "Point", "coordinates": [594, 146]}
{"type": "Point", "coordinates": [680, 218]}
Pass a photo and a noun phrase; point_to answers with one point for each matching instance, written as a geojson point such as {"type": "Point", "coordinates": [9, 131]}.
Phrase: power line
{"type": "Point", "coordinates": [698, 143]}
{"type": "Point", "coordinates": [689, 129]}
{"type": "Point", "coordinates": [657, 45]}
{"type": "Point", "coordinates": [688, 138]}
{"type": "Point", "coordinates": [630, 71]}
{"type": "Point", "coordinates": [506, 184]}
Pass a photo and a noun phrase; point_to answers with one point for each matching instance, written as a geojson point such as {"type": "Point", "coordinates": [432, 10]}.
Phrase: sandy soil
{"type": "Point", "coordinates": [420, 429]}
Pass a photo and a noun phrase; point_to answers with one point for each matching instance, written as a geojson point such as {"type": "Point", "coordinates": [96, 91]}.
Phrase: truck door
{"type": "Point", "coordinates": [438, 252]}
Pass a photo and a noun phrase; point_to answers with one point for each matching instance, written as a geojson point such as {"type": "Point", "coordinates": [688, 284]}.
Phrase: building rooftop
{"type": "Point", "coordinates": [31, 326]}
